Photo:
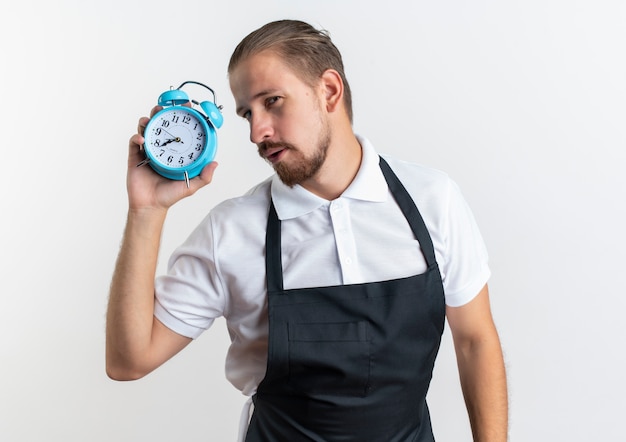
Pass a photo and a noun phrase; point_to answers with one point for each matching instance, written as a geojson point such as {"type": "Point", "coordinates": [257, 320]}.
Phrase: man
{"type": "Point", "coordinates": [334, 276]}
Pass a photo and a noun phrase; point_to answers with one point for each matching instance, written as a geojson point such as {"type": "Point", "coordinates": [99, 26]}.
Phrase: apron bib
{"type": "Point", "coordinates": [350, 362]}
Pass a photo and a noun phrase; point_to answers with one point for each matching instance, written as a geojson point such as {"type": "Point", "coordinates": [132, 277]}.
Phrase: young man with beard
{"type": "Point", "coordinates": [334, 276]}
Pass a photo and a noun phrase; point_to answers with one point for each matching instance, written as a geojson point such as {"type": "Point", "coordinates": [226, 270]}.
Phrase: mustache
{"type": "Point", "coordinates": [272, 144]}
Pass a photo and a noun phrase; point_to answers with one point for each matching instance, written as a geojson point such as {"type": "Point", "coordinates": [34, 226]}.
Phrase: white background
{"type": "Point", "coordinates": [523, 103]}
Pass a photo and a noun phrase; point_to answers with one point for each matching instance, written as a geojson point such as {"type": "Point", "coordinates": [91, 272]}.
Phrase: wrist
{"type": "Point", "coordinates": [146, 219]}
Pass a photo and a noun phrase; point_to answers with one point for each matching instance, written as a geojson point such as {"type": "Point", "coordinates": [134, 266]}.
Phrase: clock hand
{"type": "Point", "coordinates": [171, 140]}
{"type": "Point", "coordinates": [168, 133]}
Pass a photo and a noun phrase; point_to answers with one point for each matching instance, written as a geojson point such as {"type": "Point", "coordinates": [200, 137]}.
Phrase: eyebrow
{"type": "Point", "coordinates": [263, 93]}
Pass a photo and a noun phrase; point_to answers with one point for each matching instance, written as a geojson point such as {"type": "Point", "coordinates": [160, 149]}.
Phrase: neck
{"type": "Point", "coordinates": [340, 167]}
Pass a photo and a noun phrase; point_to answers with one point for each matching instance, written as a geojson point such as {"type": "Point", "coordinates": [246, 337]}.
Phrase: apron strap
{"type": "Point", "coordinates": [413, 216]}
{"type": "Point", "coordinates": [273, 258]}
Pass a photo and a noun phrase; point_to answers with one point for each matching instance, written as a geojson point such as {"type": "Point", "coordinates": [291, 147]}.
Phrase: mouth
{"type": "Point", "coordinates": [273, 154]}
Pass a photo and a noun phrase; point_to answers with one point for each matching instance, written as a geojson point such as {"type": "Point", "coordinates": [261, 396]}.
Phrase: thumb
{"type": "Point", "coordinates": [205, 177]}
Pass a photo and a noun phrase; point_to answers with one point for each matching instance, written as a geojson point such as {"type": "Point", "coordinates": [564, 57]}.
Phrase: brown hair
{"type": "Point", "coordinates": [309, 51]}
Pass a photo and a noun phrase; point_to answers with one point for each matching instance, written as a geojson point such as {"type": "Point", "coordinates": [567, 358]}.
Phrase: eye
{"type": "Point", "coordinates": [246, 115]}
{"type": "Point", "coordinates": [271, 100]}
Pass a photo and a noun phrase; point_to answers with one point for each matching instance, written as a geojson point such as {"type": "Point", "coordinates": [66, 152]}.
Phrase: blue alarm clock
{"type": "Point", "coordinates": [180, 140]}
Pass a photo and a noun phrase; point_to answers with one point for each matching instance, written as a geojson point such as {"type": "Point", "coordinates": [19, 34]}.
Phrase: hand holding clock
{"type": "Point", "coordinates": [148, 190]}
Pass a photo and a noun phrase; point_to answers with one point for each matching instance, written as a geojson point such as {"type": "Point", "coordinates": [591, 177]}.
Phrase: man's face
{"type": "Point", "coordinates": [285, 116]}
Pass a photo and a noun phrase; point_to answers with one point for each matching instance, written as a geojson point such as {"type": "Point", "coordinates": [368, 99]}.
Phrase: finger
{"type": "Point", "coordinates": [154, 110]}
{"type": "Point", "coordinates": [136, 140]}
{"type": "Point", "coordinates": [135, 146]}
{"type": "Point", "coordinates": [141, 126]}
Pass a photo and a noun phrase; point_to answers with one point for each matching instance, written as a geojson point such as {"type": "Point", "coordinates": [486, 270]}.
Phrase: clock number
{"type": "Point", "coordinates": [190, 156]}
{"type": "Point", "coordinates": [175, 119]}
{"type": "Point", "coordinates": [170, 159]}
{"type": "Point", "coordinates": [165, 123]}
{"type": "Point", "coordinates": [199, 137]}
{"type": "Point", "coordinates": [198, 147]}
{"type": "Point", "coordinates": [157, 142]}
{"type": "Point", "coordinates": [181, 160]}
{"type": "Point", "coordinates": [158, 131]}
{"type": "Point", "coordinates": [186, 119]}
{"type": "Point", "coordinates": [195, 126]}
{"type": "Point", "coordinates": [162, 152]}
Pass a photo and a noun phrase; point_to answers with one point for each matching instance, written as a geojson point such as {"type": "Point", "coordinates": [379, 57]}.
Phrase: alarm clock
{"type": "Point", "coordinates": [180, 140]}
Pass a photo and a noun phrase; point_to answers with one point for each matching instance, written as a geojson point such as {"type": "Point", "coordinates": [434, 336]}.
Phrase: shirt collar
{"type": "Point", "coordinates": [368, 185]}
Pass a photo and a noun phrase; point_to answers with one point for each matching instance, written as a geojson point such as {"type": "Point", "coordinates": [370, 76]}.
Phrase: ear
{"type": "Point", "coordinates": [332, 88]}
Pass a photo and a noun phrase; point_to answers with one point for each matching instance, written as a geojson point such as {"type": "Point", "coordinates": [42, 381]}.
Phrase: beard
{"type": "Point", "coordinates": [302, 167]}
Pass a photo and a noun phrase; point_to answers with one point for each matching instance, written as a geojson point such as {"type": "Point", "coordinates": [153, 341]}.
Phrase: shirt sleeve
{"type": "Point", "coordinates": [189, 296]}
{"type": "Point", "coordinates": [465, 268]}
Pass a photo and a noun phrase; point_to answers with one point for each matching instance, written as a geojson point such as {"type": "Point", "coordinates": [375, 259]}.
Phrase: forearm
{"type": "Point", "coordinates": [483, 379]}
{"type": "Point", "coordinates": [130, 315]}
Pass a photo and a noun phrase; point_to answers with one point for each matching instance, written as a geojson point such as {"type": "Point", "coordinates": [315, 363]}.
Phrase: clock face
{"type": "Point", "coordinates": [176, 137]}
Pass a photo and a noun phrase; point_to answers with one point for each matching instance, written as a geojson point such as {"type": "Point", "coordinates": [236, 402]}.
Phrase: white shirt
{"type": "Point", "coordinates": [362, 236]}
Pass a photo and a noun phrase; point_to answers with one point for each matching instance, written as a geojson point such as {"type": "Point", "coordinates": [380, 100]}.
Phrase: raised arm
{"type": "Point", "coordinates": [481, 368]}
{"type": "Point", "coordinates": [136, 342]}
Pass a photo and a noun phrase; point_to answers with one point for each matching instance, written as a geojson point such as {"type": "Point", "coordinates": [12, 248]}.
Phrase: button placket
{"type": "Point", "coordinates": [344, 239]}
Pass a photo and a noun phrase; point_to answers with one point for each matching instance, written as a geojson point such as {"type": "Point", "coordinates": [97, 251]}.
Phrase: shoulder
{"type": "Point", "coordinates": [415, 170]}
{"type": "Point", "coordinates": [256, 198]}
{"type": "Point", "coordinates": [241, 216]}
{"type": "Point", "coordinates": [426, 185]}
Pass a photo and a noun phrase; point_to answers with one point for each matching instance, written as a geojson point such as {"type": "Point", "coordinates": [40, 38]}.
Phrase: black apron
{"type": "Point", "coordinates": [350, 362]}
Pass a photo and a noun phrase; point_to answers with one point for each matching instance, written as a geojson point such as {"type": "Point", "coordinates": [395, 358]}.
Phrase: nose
{"type": "Point", "coordinates": [261, 128]}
